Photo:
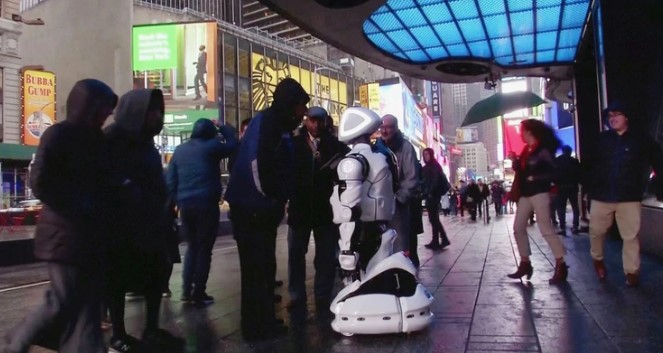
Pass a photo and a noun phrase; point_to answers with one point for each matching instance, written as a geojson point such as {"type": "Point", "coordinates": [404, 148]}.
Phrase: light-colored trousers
{"type": "Point", "coordinates": [540, 204]}
{"type": "Point", "coordinates": [627, 215]}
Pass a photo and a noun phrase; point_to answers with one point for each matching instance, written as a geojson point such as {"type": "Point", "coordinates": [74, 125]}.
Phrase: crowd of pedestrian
{"type": "Point", "coordinates": [108, 226]}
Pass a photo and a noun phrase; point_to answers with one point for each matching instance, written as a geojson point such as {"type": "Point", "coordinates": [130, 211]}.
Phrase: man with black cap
{"type": "Point", "coordinates": [617, 167]}
{"type": "Point", "coordinates": [309, 210]}
{"type": "Point", "coordinates": [259, 187]}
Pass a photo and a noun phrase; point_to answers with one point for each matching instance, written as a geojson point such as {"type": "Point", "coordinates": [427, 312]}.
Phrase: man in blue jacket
{"type": "Point", "coordinates": [194, 183]}
{"type": "Point", "coordinates": [261, 182]}
{"type": "Point", "coordinates": [619, 164]}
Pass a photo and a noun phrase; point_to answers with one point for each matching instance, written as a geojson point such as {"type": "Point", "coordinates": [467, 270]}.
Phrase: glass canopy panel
{"type": "Point", "coordinates": [508, 32]}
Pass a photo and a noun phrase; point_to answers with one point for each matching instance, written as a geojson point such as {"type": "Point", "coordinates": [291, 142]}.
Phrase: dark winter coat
{"type": "Point", "coordinates": [194, 172]}
{"type": "Point", "coordinates": [313, 183]}
{"type": "Point", "coordinates": [618, 166]}
{"type": "Point", "coordinates": [71, 176]}
{"type": "Point", "coordinates": [436, 183]}
{"type": "Point", "coordinates": [568, 170]}
{"type": "Point", "coordinates": [540, 166]}
{"type": "Point", "coordinates": [272, 166]}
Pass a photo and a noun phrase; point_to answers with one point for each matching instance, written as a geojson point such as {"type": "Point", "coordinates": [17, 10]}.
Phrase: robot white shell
{"type": "Point", "coordinates": [382, 293]}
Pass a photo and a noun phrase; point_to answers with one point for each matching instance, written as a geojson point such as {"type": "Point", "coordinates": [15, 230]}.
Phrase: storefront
{"type": "Point", "coordinates": [208, 73]}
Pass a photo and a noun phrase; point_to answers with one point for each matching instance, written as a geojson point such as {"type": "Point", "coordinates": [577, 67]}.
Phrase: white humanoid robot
{"type": "Point", "coordinates": [382, 294]}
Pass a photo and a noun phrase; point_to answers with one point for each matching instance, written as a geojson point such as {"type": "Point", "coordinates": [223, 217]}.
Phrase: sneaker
{"type": "Point", "coordinates": [126, 344]}
{"type": "Point", "coordinates": [167, 293]}
{"type": "Point", "coordinates": [162, 341]}
{"type": "Point", "coordinates": [202, 299]}
{"type": "Point", "coordinates": [444, 244]}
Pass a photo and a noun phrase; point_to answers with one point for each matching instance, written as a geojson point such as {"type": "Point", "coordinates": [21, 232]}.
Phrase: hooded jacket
{"type": "Point", "coordinates": [194, 174]}
{"type": "Point", "coordinates": [136, 160]}
{"type": "Point", "coordinates": [71, 176]}
{"type": "Point", "coordinates": [264, 165]}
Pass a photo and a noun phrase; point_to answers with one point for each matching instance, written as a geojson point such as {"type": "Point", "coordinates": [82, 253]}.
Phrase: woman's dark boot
{"type": "Point", "coordinates": [525, 268]}
{"type": "Point", "coordinates": [561, 272]}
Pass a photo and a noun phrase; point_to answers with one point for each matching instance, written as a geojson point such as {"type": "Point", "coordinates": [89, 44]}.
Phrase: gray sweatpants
{"type": "Point", "coordinates": [71, 311]}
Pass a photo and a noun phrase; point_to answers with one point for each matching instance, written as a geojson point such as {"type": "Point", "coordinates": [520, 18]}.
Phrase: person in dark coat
{"type": "Point", "coordinates": [316, 153]}
{"type": "Point", "coordinates": [71, 176]}
{"type": "Point", "coordinates": [194, 185]}
{"type": "Point", "coordinates": [618, 166]}
{"type": "Point", "coordinates": [567, 189]}
{"type": "Point", "coordinates": [473, 199]}
{"type": "Point", "coordinates": [436, 185]}
{"type": "Point", "coordinates": [261, 182]}
{"type": "Point", "coordinates": [497, 193]}
{"type": "Point", "coordinates": [141, 251]}
{"type": "Point", "coordinates": [535, 171]}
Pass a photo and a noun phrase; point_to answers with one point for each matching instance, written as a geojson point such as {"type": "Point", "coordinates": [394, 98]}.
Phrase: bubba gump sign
{"type": "Point", "coordinates": [37, 105]}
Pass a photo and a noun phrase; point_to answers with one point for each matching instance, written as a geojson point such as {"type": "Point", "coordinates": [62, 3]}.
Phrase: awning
{"type": "Point", "coordinates": [16, 152]}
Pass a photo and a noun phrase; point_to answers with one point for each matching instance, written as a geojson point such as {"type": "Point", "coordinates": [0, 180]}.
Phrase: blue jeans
{"type": "Point", "coordinates": [326, 244]}
{"type": "Point", "coordinates": [200, 224]}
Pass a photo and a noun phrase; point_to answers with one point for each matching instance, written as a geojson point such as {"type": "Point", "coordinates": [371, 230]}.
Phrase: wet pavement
{"type": "Point", "coordinates": [477, 308]}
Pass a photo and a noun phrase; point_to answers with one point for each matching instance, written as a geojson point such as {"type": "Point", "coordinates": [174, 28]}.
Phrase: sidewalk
{"type": "Point", "coordinates": [477, 308]}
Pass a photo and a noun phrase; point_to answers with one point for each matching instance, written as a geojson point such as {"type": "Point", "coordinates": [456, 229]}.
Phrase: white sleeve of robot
{"type": "Point", "coordinates": [351, 176]}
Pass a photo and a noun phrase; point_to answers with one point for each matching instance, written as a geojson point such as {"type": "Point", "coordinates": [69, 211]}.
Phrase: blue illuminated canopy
{"type": "Point", "coordinates": [509, 33]}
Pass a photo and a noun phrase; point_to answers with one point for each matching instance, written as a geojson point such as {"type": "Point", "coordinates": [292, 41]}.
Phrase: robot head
{"type": "Point", "coordinates": [357, 122]}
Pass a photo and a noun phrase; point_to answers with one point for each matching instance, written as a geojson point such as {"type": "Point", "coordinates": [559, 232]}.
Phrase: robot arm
{"type": "Point", "coordinates": [351, 173]}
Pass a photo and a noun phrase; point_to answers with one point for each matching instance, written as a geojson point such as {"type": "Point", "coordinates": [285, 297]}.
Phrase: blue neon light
{"type": "Point", "coordinates": [508, 32]}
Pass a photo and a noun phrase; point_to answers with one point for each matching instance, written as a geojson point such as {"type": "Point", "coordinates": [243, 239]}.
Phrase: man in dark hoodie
{"type": "Point", "coordinates": [309, 210]}
{"type": "Point", "coordinates": [71, 176]}
{"type": "Point", "coordinates": [140, 250]}
{"type": "Point", "coordinates": [260, 185]}
{"type": "Point", "coordinates": [194, 185]}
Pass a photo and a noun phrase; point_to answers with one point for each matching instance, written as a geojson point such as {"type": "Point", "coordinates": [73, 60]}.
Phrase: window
{"type": "Point", "coordinates": [244, 62]}
{"type": "Point", "coordinates": [229, 54]}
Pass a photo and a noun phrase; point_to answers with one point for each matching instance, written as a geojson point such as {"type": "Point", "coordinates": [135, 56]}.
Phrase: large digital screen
{"type": "Point", "coordinates": [181, 60]}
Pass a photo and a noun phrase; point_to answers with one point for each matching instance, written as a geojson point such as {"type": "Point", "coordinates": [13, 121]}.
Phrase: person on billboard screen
{"type": "Point", "coordinates": [201, 70]}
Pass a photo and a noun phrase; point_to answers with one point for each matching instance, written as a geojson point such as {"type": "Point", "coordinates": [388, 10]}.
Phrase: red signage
{"type": "Point", "coordinates": [512, 140]}
{"type": "Point", "coordinates": [456, 151]}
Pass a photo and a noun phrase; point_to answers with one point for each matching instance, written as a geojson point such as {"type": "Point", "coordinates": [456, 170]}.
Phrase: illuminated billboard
{"type": "Point", "coordinates": [38, 102]}
{"type": "Point", "coordinates": [267, 72]}
{"type": "Point", "coordinates": [180, 59]}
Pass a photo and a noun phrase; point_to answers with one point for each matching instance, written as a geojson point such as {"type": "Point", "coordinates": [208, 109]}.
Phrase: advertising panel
{"type": "Point", "coordinates": [38, 102]}
{"type": "Point", "coordinates": [267, 72]}
{"type": "Point", "coordinates": [467, 135]}
{"type": "Point", "coordinates": [391, 102]}
{"type": "Point", "coordinates": [181, 60]}
{"type": "Point", "coordinates": [436, 101]}
{"type": "Point", "coordinates": [414, 121]}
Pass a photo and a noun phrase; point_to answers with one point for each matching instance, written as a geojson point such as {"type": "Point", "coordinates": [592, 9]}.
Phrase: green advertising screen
{"type": "Point", "coordinates": [155, 47]}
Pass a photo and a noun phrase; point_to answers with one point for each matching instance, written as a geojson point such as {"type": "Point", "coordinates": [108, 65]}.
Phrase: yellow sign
{"type": "Point", "coordinates": [38, 102]}
{"type": "Point", "coordinates": [267, 72]}
{"type": "Point", "coordinates": [363, 95]}
{"type": "Point", "coordinates": [374, 96]}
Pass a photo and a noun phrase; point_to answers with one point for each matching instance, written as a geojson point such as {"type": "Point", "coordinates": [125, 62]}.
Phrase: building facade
{"type": "Point", "coordinates": [475, 160]}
